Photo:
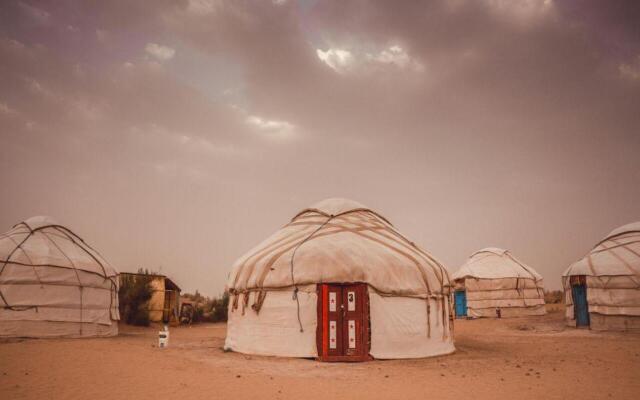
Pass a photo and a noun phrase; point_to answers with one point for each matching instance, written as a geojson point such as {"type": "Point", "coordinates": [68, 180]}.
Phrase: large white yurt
{"type": "Point", "coordinates": [493, 283]}
{"type": "Point", "coordinates": [602, 290]}
{"type": "Point", "coordinates": [53, 284]}
{"type": "Point", "coordinates": [339, 283]}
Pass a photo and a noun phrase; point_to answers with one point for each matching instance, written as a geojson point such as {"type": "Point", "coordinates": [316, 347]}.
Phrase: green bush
{"type": "Point", "coordinates": [208, 309]}
{"type": "Point", "coordinates": [220, 308]}
{"type": "Point", "coordinates": [134, 295]}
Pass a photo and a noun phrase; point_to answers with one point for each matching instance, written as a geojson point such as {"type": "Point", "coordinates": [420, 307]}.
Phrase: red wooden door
{"type": "Point", "coordinates": [343, 322]}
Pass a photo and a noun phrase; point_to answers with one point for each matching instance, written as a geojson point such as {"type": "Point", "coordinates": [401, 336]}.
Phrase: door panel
{"type": "Point", "coordinates": [335, 320]}
{"type": "Point", "coordinates": [343, 331]}
{"type": "Point", "coordinates": [352, 297]}
{"type": "Point", "coordinates": [580, 305]}
{"type": "Point", "coordinates": [461, 303]}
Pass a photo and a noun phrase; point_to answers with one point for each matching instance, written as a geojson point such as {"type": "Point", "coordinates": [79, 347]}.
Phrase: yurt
{"type": "Point", "coordinates": [602, 290]}
{"type": "Point", "coordinates": [339, 283]}
{"type": "Point", "coordinates": [53, 284]}
{"type": "Point", "coordinates": [493, 283]}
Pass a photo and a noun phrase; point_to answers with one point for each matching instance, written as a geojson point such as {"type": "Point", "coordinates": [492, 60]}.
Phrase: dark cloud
{"type": "Point", "coordinates": [469, 124]}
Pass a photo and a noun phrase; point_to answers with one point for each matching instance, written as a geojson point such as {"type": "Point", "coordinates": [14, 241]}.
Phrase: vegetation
{"type": "Point", "coordinates": [208, 309]}
{"type": "Point", "coordinates": [553, 296]}
{"type": "Point", "coordinates": [134, 295]}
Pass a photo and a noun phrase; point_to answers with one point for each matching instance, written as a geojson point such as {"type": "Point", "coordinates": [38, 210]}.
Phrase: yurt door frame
{"type": "Point", "coordinates": [460, 301]}
{"type": "Point", "coordinates": [343, 322]}
{"type": "Point", "coordinates": [579, 295]}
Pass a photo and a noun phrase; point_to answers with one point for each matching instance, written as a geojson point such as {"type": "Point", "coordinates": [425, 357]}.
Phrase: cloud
{"type": "Point", "coordinates": [396, 55]}
{"type": "Point", "coordinates": [5, 109]}
{"type": "Point", "coordinates": [162, 53]}
{"type": "Point", "coordinates": [271, 128]}
{"type": "Point", "coordinates": [343, 61]}
{"type": "Point", "coordinates": [102, 35]}
{"type": "Point", "coordinates": [333, 83]}
{"type": "Point", "coordinates": [630, 71]}
{"type": "Point", "coordinates": [176, 170]}
{"type": "Point", "coordinates": [521, 11]}
{"type": "Point", "coordinates": [338, 59]}
{"type": "Point", "coordinates": [36, 14]}
{"type": "Point", "coordinates": [202, 7]}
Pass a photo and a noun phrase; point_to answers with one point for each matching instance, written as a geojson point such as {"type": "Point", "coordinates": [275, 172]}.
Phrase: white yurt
{"type": "Point", "coordinates": [493, 283]}
{"type": "Point", "coordinates": [53, 284]}
{"type": "Point", "coordinates": [339, 283]}
{"type": "Point", "coordinates": [602, 290]}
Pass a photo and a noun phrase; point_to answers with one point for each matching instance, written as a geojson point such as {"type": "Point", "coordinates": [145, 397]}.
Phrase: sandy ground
{"type": "Point", "coordinates": [523, 358]}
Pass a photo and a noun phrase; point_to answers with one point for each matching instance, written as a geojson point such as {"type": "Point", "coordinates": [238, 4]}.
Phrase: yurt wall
{"type": "Point", "coordinates": [602, 290]}
{"type": "Point", "coordinates": [53, 284]}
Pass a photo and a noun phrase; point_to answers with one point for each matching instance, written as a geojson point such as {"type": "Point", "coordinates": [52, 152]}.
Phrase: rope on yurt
{"type": "Point", "coordinates": [428, 316]}
{"type": "Point", "coordinates": [533, 277]}
{"type": "Point", "coordinates": [33, 266]}
{"type": "Point", "coordinates": [259, 300]}
{"type": "Point", "coordinates": [430, 262]}
{"type": "Point", "coordinates": [75, 269]}
{"type": "Point", "coordinates": [293, 254]}
{"type": "Point", "coordinates": [68, 233]}
{"type": "Point", "coordinates": [234, 301]}
{"type": "Point", "coordinates": [623, 261]}
{"type": "Point", "coordinates": [428, 257]}
{"type": "Point", "coordinates": [19, 246]}
{"type": "Point", "coordinates": [245, 301]}
{"type": "Point", "coordinates": [617, 235]}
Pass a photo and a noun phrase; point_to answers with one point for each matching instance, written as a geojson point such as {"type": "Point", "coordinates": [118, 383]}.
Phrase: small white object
{"type": "Point", "coordinates": [352, 334]}
{"type": "Point", "coordinates": [332, 301]}
{"type": "Point", "coordinates": [163, 338]}
{"type": "Point", "coordinates": [351, 301]}
{"type": "Point", "coordinates": [332, 335]}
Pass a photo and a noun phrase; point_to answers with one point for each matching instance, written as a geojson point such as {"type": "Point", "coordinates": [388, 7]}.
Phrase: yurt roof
{"type": "Point", "coordinates": [339, 241]}
{"type": "Point", "coordinates": [495, 263]}
{"type": "Point", "coordinates": [41, 241]}
{"type": "Point", "coordinates": [618, 254]}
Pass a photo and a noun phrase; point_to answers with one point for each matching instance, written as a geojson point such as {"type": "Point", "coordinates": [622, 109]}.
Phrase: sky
{"type": "Point", "coordinates": [176, 135]}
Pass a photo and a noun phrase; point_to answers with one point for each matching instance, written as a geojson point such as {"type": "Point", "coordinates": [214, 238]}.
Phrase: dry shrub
{"type": "Point", "coordinates": [553, 296]}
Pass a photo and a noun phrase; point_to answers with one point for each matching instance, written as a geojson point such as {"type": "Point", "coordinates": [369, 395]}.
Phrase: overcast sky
{"type": "Point", "coordinates": [176, 135]}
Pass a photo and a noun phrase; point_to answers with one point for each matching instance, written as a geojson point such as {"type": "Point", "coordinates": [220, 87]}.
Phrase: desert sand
{"type": "Point", "coordinates": [524, 358]}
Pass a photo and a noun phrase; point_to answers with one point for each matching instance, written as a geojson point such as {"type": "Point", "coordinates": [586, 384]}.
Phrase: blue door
{"type": "Point", "coordinates": [580, 306]}
{"type": "Point", "coordinates": [460, 299]}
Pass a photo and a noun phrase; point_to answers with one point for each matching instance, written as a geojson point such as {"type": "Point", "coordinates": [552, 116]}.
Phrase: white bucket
{"type": "Point", "coordinates": [163, 339]}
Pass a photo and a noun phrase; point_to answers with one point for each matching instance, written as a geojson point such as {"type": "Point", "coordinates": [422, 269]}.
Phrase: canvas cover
{"type": "Point", "coordinates": [53, 284]}
{"type": "Point", "coordinates": [398, 326]}
{"type": "Point", "coordinates": [494, 279]}
{"type": "Point", "coordinates": [337, 241]}
{"type": "Point", "coordinates": [612, 276]}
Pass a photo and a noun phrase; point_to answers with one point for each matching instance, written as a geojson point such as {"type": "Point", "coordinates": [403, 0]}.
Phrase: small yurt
{"type": "Point", "coordinates": [339, 283]}
{"type": "Point", "coordinates": [53, 284]}
{"type": "Point", "coordinates": [493, 283]}
{"type": "Point", "coordinates": [602, 290]}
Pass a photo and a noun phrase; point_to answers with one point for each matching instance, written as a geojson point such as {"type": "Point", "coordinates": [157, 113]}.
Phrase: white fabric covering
{"type": "Point", "coordinates": [53, 284]}
{"type": "Point", "coordinates": [493, 278]}
{"type": "Point", "coordinates": [337, 241]}
{"type": "Point", "coordinates": [399, 327]}
{"type": "Point", "coordinates": [356, 245]}
{"type": "Point", "coordinates": [275, 330]}
{"type": "Point", "coordinates": [612, 271]}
